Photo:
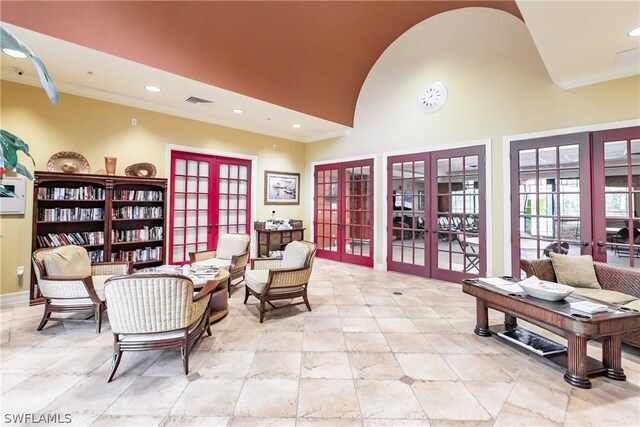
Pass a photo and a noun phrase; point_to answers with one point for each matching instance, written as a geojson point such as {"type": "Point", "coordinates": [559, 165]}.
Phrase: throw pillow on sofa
{"type": "Point", "coordinates": [576, 271]}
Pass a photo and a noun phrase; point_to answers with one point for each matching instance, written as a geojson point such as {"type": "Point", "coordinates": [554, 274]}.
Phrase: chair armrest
{"type": "Point", "coordinates": [618, 278]}
{"type": "Point", "coordinates": [68, 287]}
{"type": "Point", "coordinates": [113, 268]}
{"type": "Point", "coordinates": [206, 290]}
{"type": "Point", "coordinates": [201, 255]}
{"type": "Point", "coordinates": [284, 277]}
{"type": "Point", "coordinates": [198, 309]}
{"type": "Point", "coordinates": [239, 261]}
{"type": "Point", "coordinates": [265, 263]}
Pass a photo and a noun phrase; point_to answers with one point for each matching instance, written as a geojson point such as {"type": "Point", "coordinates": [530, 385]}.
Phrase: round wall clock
{"type": "Point", "coordinates": [432, 97]}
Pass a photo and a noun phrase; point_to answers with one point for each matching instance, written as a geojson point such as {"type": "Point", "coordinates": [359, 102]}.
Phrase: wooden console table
{"type": "Point", "coordinates": [558, 317]}
{"type": "Point", "coordinates": [270, 240]}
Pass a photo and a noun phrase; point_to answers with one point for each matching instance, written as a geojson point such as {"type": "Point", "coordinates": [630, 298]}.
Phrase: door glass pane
{"type": "Point", "coordinates": [615, 153]}
{"type": "Point", "coordinates": [179, 184]}
{"type": "Point", "coordinates": [192, 218]}
{"type": "Point", "coordinates": [192, 168]}
{"type": "Point", "coordinates": [204, 169]}
{"type": "Point", "coordinates": [180, 167]}
{"type": "Point", "coordinates": [547, 158]}
{"type": "Point", "coordinates": [569, 156]}
{"type": "Point", "coordinates": [192, 184]}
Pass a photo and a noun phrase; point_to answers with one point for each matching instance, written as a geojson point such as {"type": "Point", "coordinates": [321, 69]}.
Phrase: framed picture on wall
{"type": "Point", "coordinates": [12, 200]}
{"type": "Point", "coordinates": [281, 188]}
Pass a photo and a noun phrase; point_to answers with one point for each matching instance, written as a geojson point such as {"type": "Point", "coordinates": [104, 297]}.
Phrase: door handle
{"type": "Point", "coordinates": [600, 243]}
{"type": "Point", "coordinates": [584, 244]}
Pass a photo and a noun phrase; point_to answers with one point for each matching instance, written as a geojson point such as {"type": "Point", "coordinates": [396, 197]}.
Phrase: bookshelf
{"type": "Point", "coordinates": [115, 218]}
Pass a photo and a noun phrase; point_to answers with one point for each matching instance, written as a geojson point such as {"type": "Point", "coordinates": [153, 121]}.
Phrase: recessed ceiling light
{"type": "Point", "coordinates": [14, 53]}
{"type": "Point", "coordinates": [297, 125]}
{"type": "Point", "coordinates": [238, 110]}
{"type": "Point", "coordinates": [635, 32]}
{"type": "Point", "coordinates": [152, 88]}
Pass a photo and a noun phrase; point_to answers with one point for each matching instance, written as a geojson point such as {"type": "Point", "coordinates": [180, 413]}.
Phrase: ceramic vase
{"type": "Point", "coordinates": [110, 165]}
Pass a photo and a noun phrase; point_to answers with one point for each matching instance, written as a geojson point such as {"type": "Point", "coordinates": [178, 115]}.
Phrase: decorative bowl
{"type": "Point", "coordinates": [546, 290]}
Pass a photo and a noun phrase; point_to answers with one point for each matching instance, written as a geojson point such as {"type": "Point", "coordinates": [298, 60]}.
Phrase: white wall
{"type": "Point", "coordinates": [497, 86]}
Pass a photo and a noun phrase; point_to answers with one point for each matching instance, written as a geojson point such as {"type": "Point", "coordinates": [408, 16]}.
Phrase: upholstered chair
{"type": "Point", "coordinates": [69, 283]}
{"type": "Point", "coordinates": [154, 311]}
{"type": "Point", "coordinates": [232, 254]}
{"type": "Point", "coordinates": [281, 279]}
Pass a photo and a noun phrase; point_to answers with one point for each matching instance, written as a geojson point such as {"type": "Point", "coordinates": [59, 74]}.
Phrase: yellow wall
{"type": "Point", "coordinates": [498, 86]}
{"type": "Point", "coordinates": [97, 129]}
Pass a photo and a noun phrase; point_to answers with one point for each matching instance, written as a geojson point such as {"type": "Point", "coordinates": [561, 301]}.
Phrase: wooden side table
{"type": "Point", "coordinates": [219, 304]}
{"type": "Point", "coordinates": [269, 240]}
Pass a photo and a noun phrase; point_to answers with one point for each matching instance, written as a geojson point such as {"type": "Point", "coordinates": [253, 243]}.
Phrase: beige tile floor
{"type": "Point", "coordinates": [363, 357]}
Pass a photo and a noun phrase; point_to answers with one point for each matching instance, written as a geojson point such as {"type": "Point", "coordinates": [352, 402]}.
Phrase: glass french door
{"type": "Point", "coordinates": [210, 197]}
{"type": "Point", "coordinates": [577, 194]}
{"type": "Point", "coordinates": [616, 217]}
{"type": "Point", "coordinates": [436, 210]}
{"type": "Point", "coordinates": [457, 217]}
{"type": "Point", "coordinates": [551, 184]}
{"type": "Point", "coordinates": [407, 233]}
{"type": "Point", "coordinates": [343, 203]}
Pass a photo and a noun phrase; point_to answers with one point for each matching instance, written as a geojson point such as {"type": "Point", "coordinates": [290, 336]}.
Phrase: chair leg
{"type": "Point", "coordinates": [229, 285]}
{"type": "Point", "coordinates": [98, 318]}
{"type": "Point", "coordinates": [246, 293]}
{"type": "Point", "coordinates": [45, 317]}
{"type": "Point", "coordinates": [306, 301]}
{"type": "Point", "coordinates": [185, 357]}
{"type": "Point", "coordinates": [117, 356]}
{"type": "Point", "coordinates": [261, 310]}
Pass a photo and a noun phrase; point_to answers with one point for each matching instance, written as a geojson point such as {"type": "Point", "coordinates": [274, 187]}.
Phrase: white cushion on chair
{"type": "Point", "coordinates": [295, 255]}
{"type": "Point", "coordinates": [256, 279]}
{"type": "Point", "coordinates": [67, 261]}
{"type": "Point", "coordinates": [230, 245]}
{"type": "Point", "coordinates": [98, 281]}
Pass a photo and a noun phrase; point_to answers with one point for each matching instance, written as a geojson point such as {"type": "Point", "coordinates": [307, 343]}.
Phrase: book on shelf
{"type": "Point", "coordinates": [75, 193]}
{"type": "Point", "coordinates": [137, 235]}
{"type": "Point", "coordinates": [137, 212]}
{"type": "Point", "coordinates": [70, 214]}
{"type": "Point", "coordinates": [61, 239]}
{"type": "Point", "coordinates": [138, 195]}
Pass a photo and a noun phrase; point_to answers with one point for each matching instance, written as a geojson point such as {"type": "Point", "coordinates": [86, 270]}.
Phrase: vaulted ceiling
{"type": "Point", "coordinates": [307, 56]}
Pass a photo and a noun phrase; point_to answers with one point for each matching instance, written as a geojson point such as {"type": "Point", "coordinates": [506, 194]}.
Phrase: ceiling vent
{"type": "Point", "coordinates": [197, 100]}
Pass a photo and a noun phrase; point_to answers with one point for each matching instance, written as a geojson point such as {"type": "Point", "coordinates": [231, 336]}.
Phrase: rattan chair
{"type": "Point", "coordinates": [232, 254]}
{"type": "Point", "coordinates": [472, 257]}
{"type": "Point", "coordinates": [69, 283]}
{"type": "Point", "coordinates": [154, 311]}
{"type": "Point", "coordinates": [281, 279]}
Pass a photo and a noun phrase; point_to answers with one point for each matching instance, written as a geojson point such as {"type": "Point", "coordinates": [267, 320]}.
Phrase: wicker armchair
{"type": "Point", "coordinates": [279, 279]}
{"type": "Point", "coordinates": [616, 278]}
{"type": "Point", "coordinates": [152, 311]}
{"type": "Point", "coordinates": [232, 254]}
{"type": "Point", "coordinates": [69, 283]}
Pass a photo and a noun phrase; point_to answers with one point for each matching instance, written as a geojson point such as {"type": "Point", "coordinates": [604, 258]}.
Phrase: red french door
{"type": "Point", "coordinates": [616, 212]}
{"type": "Point", "coordinates": [436, 205]}
{"type": "Point", "coordinates": [210, 197]}
{"type": "Point", "coordinates": [343, 203]}
{"type": "Point", "coordinates": [577, 194]}
{"type": "Point", "coordinates": [551, 197]}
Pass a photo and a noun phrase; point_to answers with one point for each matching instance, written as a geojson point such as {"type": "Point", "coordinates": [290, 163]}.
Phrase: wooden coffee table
{"type": "Point", "coordinates": [559, 318]}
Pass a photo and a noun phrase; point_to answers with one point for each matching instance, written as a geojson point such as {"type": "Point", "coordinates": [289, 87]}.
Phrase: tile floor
{"type": "Point", "coordinates": [363, 357]}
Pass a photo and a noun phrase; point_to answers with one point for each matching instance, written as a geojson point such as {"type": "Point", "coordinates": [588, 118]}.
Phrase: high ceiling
{"type": "Point", "coordinates": [308, 56]}
{"type": "Point", "coordinates": [283, 62]}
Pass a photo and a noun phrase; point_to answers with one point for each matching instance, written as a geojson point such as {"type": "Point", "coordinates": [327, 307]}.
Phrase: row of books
{"type": "Point", "coordinates": [61, 239]}
{"type": "Point", "coordinates": [138, 195]}
{"type": "Point", "coordinates": [139, 255]}
{"type": "Point", "coordinates": [77, 193]}
{"type": "Point", "coordinates": [70, 214]}
{"type": "Point", "coordinates": [141, 234]}
{"type": "Point", "coordinates": [137, 212]}
{"type": "Point", "coordinates": [96, 256]}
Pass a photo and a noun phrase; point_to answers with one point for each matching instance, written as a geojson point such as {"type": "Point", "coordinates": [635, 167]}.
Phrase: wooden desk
{"type": "Point", "coordinates": [270, 240]}
{"type": "Point", "coordinates": [558, 317]}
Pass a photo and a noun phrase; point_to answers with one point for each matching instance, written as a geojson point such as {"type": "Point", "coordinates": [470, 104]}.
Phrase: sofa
{"type": "Point", "coordinates": [619, 285]}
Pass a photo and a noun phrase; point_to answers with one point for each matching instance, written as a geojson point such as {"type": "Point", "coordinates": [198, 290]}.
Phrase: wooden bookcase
{"type": "Point", "coordinates": [115, 218]}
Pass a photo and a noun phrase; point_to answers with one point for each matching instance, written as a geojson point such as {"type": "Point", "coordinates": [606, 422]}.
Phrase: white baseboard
{"type": "Point", "coordinates": [380, 267]}
{"type": "Point", "coordinates": [15, 298]}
